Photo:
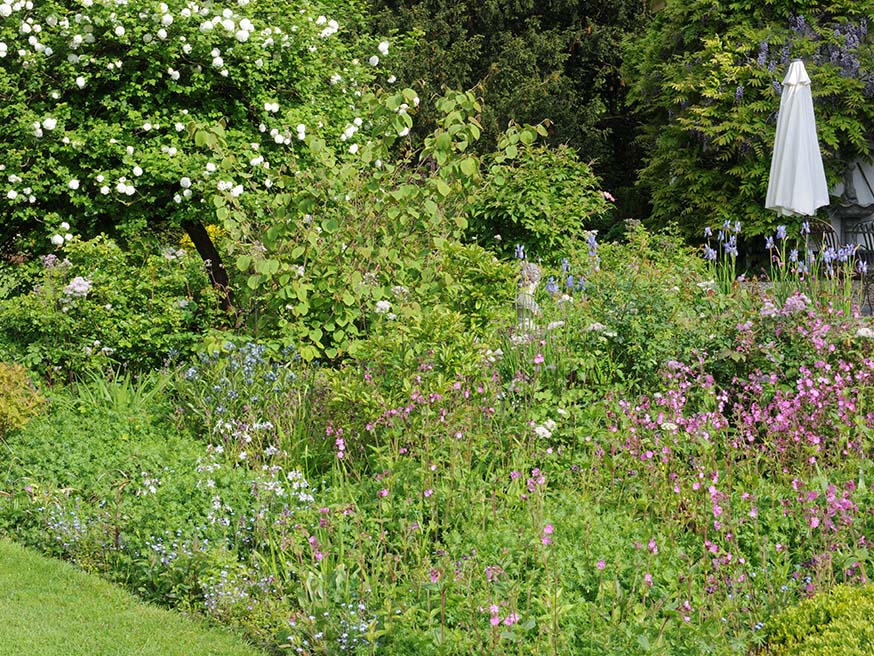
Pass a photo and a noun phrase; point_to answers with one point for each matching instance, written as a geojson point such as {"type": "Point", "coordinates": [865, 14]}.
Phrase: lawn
{"type": "Point", "coordinates": [48, 607]}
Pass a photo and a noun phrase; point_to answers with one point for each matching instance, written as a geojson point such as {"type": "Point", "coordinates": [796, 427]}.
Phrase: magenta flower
{"type": "Point", "coordinates": [601, 564]}
{"type": "Point", "coordinates": [548, 529]}
{"type": "Point", "coordinates": [495, 619]}
{"type": "Point", "coordinates": [511, 619]}
{"type": "Point", "coordinates": [382, 493]}
{"type": "Point", "coordinates": [539, 359]}
{"type": "Point", "coordinates": [428, 492]}
{"type": "Point", "coordinates": [647, 578]}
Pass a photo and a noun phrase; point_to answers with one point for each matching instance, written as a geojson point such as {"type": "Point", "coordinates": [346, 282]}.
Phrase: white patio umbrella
{"type": "Point", "coordinates": [797, 182]}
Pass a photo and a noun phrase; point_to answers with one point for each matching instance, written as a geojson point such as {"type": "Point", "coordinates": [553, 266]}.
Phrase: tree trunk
{"type": "Point", "coordinates": [213, 262]}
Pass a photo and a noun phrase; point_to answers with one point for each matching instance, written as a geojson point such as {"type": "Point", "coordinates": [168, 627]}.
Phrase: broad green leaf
{"type": "Point", "coordinates": [243, 262]}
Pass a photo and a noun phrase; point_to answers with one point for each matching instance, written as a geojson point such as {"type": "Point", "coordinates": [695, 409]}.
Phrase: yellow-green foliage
{"type": "Point", "coordinates": [19, 399]}
{"type": "Point", "coordinates": [840, 623]}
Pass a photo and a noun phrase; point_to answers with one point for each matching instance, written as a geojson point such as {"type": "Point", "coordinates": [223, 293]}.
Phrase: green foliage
{"type": "Point", "coordinates": [51, 601]}
{"type": "Point", "coordinates": [100, 102]}
{"type": "Point", "coordinates": [620, 312]}
{"type": "Point", "coordinates": [329, 254]}
{"type": "Point", "coordinates": [529, 61]}
{"type": "Point", "coordinates": [244, 398]}
{"type": "Point", "coordinates": [660, 473]}
{"type": "Point", "coordinates": [19, 398]}
{"type": "Point", "coordinates": [539, 197]}
{"type": "Point", "coordinates": [101, 305]}
{"type": "Point", "coordinates": [832, 624]}
{"type": "Point", "coordinates": [707, 76]}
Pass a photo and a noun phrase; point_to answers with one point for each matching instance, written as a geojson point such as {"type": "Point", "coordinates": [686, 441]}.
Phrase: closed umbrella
{"type": "Point", "coordinates": [797, 182]}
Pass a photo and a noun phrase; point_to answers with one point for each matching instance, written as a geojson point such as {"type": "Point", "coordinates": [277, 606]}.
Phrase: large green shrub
{"type": "Point", "coordinates": [100, 96]}
{"type": "Point", "coordinates": [835, 624]}
{"type": "Point", "coordinates": [331, 252]}
{"type": "Point", "coordinates": [542, 198]}
{"type": "Point", "coordinates": [707, 77]}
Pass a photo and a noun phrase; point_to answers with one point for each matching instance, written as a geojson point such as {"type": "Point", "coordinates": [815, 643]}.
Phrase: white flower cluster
{"type": "Point", "coordinates": [78, 287]}
{"type": "Point", "coordinates": [382, 307]}
{"type": "Point", "coordinates": [545, 429]}
{"type": "Point", "coordinates": [299, 486]}
{"type": "Point", "coordinates": [331, 27]}
{"type": "Point", "coordinates": [198, 37]}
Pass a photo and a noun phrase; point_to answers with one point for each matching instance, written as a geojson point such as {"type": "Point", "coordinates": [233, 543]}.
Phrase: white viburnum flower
{"type": "Point", "coordinates": [383, 307]}
{"type": "Point", "coordinates": [50, 123]}
{"type": "Point", "coordinates": [383, 48]}
{"type": "Point", "coordinates": [73, 184]}
{"type": "Point", "coordinates": [374, 60]}
{"type": "Point", "coordinates": [57, 240]}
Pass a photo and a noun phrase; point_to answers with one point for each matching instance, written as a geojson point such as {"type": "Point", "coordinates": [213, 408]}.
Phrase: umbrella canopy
{"type": "Point", "coordinates": [797, 182]}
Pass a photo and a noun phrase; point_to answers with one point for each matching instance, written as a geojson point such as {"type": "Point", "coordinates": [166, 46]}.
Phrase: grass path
{"type": "Point", "coordinates": [50, 608]}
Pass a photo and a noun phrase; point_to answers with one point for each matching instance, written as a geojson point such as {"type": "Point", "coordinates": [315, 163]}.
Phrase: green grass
{"type": "Point", "coordinates": [49, 608]}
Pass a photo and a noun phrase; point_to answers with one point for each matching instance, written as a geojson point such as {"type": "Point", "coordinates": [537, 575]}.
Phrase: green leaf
{"type": "Point", "coordinates": [243, 262]}
{"type": "Point", "coordinates": [443, 188]}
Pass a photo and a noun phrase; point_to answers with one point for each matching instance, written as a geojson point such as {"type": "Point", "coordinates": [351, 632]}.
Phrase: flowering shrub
{"type": "Point", "coordinates": [112, 110]}
{"type": "Point", "coordinates": [708, 80]}
{"type": "Point", "coordinates": [88, 310]}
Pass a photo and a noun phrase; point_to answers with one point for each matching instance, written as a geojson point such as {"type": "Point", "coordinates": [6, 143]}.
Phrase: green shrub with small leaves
{"type": "Point", "coordinates": [96, 305]}
{"type": "Point", "coordinates": [19, 399]}
{"type": "Point", "coordinates": [835, 624]}
{"type": "Point", "coordinates": [536, 196]}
